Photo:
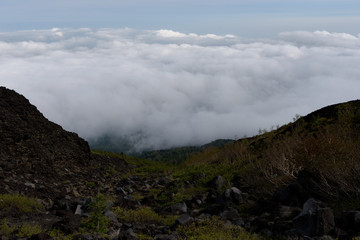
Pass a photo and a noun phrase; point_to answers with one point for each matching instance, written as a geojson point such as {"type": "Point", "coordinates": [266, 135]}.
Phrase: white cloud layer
{"type": "Point", "coordinates": [164, 88]}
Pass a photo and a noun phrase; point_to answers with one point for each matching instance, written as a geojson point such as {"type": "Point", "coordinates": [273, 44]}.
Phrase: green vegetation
{"type": "Point", "coordinates": [97, 222]}
{"type": "Point", "coordinates": [24, 230]}
{"type": "Point", "coordinates": [27, 230]}
{"type": "Point", "coordinates": [19, 203]}
{"type": "Point", "coordinates": [5, 229]}
{"type": "Point", "coordinates": [214, 228]}
{"type": "Point", "coordinates": [140, 166]}
{"type": "Point", "coordinates": [180, 154]}
{"type": "Point", "coordinates": [143, 215]}
{"type": "Point", "coordinates": [56, 234]}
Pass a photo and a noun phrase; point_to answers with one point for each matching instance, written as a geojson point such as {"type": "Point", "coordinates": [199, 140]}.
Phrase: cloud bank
{"type": "Point", "coordinates": [163, 88]}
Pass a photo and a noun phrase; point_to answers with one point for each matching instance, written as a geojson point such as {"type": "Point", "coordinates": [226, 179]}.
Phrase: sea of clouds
{"type": "Point", "coordinates": [163, 88]}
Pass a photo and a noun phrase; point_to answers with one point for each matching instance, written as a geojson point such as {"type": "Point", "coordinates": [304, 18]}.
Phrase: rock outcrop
{"type": "Point", "coordinates": [26, 136]}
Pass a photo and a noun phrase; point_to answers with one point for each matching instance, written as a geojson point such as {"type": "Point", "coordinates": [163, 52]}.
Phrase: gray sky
{"type": "Point", "coordinates": [245, 18]}
{"type": "Point", "coordinates": [163, 88]}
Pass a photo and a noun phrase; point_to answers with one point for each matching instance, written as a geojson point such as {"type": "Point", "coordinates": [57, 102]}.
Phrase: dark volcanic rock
{"type": "Point", "coordinates": [307, 185]}
{"type": "Point", "coordinates": [26, 136]}
{"type": "Point", "coordinates": [315, 219]}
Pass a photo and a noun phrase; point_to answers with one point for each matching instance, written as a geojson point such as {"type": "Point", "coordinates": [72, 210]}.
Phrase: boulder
{"type": "Point", "coordinates": [230, 214]}
{"type": "Point", "coordinates": [218, 182]}
{"type": "Point", "coordinates": [233, 195]}
{"type": "Point", "coordinates": [183, 219]}
{"type": "Point", "coordinates": [315, 219]}
{"type": "Point", "coordinates": [307, 185]}
{"type": "Point", "coordinates": [179, 208]}
{"type": "Point", "coordinates": [350, 221]}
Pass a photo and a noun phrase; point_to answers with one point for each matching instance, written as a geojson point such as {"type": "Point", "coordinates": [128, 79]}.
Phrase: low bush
{"type": "Point", "coordinates": [19, 203]}
{"type": "Point", "coordinates": [23, 231]}
{"type": "Point", "coordinates": [214, 228]}
{"type": "Point", "coordinates": [27, 230]}
{"type": "Point", "coordinates": [143, 215]}
{"type": "Point", "coordinates": [5, 228]}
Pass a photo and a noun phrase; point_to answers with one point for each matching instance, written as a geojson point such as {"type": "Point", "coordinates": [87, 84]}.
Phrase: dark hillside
{"type": "Point", "coordinates": [36, 154]}
{"type": "Point", "coordinates": [325, 143]}
{"type": "Point", "coordinates": [27, 136]}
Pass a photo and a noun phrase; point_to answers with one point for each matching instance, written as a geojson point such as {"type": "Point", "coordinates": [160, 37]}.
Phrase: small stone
{"type": "Point", "coordinates": [130, 235]}
{"type": "Point", "coordinates": [112, 216]}
{"type": "Point", "coordinates": [179, 208]}
{"type": "Point", "coordinates": [230, 214]}
{"type": "Point", "coordinates": [120, 190]}
{"type": "Point", "coordinates": [76, 193]}
{"type": "Point", "coordinates": [28, 184]}
{"type": "Point", "coordinates": [183, 219]}
{"type": "Point", "coordinates": [114, 234]}
{"type": "Point", "coordinates": [78, 210]}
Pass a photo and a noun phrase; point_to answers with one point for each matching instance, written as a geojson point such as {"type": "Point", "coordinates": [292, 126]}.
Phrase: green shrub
{"type": "Point", "coordinates": [143, 215]}
{"type": "Point", "coordinates": [19, 203]}
{"type": "Point", "coordinates": [56, 234]}
{"type": "Point", "coordinates": [214, 228]}
{"type": "Point", "coordinates": [97, 222]}
{"type": "Point", "coordinates": [5, 229]}
{"type": "Point", "coordinates": [27, 230]}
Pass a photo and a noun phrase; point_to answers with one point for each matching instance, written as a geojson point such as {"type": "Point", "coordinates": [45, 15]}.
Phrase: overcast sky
{"type": "Point", "coordinates": [173, 73]}
{"type": "Point", "coordinates": [246, 18]}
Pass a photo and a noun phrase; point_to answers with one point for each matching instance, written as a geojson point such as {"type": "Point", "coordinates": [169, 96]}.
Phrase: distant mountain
{"type": "Point", "coordinates": [180, 154]}
{"type": "Point", "coordinates": [111, 143]}
{"type": "Point", "coordinates": [116, 144]}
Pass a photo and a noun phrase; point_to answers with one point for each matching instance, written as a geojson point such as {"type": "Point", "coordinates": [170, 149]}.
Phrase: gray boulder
{"type": "Point", "coordinates": [179, 208]}
{"type": "Point", "coordinates": [315, 219]}
{"type": "Point", "coordinates": [218, 182]}
{"type": "Point", "coordinates": [183, 219]}
{"type": "Point", "coordinates": [233, 195]}
{"type": "Point", "coordinates": [230, 214]}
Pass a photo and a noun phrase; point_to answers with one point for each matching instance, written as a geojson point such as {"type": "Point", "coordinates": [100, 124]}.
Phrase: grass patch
{"type": "Point", "coordinates": [5, 228]}
{"type": "Point", "coordinates": [142, 166]}
{"type": "Point", "coordinates": [19, 203]}
{"type": "Point", "coordinates": [143, 215]}
{"type": "Point", "coordinates": [27, 230]}
{"type": "Point", "coordinates": [56, 234]}
{"type": "Point", "coordinates": [214, 228]}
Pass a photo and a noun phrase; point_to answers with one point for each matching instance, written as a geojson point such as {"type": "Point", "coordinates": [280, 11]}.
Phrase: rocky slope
{"type": "Point", "coordinates": [25, 134]}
